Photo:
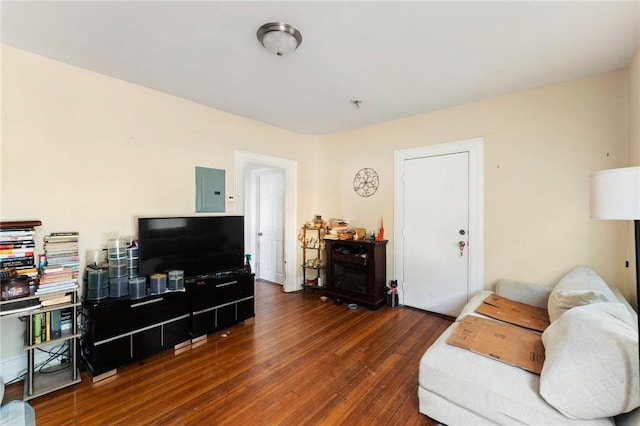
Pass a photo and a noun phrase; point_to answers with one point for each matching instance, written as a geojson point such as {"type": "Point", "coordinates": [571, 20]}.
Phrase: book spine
{"type": "Point", "coordinates": [11, 257]}
{"type": "Point", "coordinates": [56, 329]}
{"type": "Point", "coordinates": [16, 233]}
{"type": "Point", "coordinates": [16, 227]}
{"type": "Point", "coordinates": [48, 325]}
{"type": "Point", "coordinates": [36, 328]}
{"type": "Point", "coordinates": [65, 319]}
{"type": "Point", "coordinates": [17, 262]}
{"type": "Point", "coordinates": [13, 239]}
{"type": "Point", "coordinates": [16, 245]}
{"type": "Point", "coordinates": [43, 330]}
{"type": "Point", "coordinates": [27, 270]}
{"type": "Point", "coordinates": [68, 281]}
{"type": "Point", "coordinates": [15, 253]}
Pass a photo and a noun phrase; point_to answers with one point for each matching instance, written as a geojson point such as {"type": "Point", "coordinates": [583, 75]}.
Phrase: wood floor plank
{"type": "Point", "coordinates": [301, 361]}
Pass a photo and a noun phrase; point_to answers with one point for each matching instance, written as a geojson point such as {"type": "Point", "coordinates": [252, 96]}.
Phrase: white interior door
{"type": "Point", "coordinates": [436, 227]}
{"type": "Point", "coordinates": [270, 261]}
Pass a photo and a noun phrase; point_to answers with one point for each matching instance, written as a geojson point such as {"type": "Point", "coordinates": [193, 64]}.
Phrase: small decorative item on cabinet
{"type": "Point", "coordinates": [247, 264]}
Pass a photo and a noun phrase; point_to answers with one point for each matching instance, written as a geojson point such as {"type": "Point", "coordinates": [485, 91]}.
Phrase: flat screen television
{"type": "Point", "coordinates": [198, 245]}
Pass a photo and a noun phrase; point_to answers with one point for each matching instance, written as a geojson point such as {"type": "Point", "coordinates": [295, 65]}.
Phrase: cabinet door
{"type": "Point", "coordinates": [245, 309]}
{"type": "Point", "coordinates": [175, 332]}
{"type": "Point", "coordinates": [230, 290]}
{"type": "Point", "coordinates": [147, 342]}
{"type": "Point", "coordinates": [147, 312]}
{"type": "Point", "coordinates": [107, 356]}
{"type": "Point", "coordinates": [202, 294]}
{"type": "Point", "coordinates": [226, 316]}
{"type": "Point", "coordinates": [203, 322]}
{"type": "Point", "coordinates": [104, 322]}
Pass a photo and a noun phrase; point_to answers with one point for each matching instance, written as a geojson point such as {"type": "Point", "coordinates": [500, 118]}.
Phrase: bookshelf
{"type": "Point", "coordinates": [40, 309]}
{"type": "Point", "coordinates": [38, 383]}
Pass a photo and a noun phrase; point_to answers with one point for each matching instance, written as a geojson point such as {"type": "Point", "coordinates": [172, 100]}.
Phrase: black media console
{"type": "Point", "coordinates": [117, 332]}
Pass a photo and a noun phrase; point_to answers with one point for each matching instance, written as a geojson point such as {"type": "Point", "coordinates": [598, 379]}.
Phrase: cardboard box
{"type": "Point", "coordinates": [507, 343]}
{"type": "Point", "coordinates": [517, 313]}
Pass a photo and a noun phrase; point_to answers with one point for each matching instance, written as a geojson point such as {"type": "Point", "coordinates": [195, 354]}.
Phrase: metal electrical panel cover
{"type": "Point", "coordinates": [210, 195]}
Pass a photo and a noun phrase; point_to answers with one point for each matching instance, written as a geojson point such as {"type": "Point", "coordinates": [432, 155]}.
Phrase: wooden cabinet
{"type": "Point", "coordinates": [357, 271]}
{"type": "Point", "coordinates": [313, 258]}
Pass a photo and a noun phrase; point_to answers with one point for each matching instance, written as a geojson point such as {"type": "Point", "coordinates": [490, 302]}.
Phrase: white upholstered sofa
{"type": "Point", "coordinates": [589, 377]}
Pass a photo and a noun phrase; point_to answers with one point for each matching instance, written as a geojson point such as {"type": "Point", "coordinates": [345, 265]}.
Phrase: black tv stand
{"type": "Point", "coordinates": [117, 332]}
{"type": "Point", "coordinates": [220, 300]}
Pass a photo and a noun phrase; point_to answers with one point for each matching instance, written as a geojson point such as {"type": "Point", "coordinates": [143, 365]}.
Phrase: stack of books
{"type": "Point", "coordinates": [62, 263]}
{"type": "Point", "coordinates": [17, 250]}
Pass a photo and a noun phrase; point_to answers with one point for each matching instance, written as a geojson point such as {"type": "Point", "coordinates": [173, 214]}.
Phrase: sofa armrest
{"type": "Point", "coordinates": [523, 292]}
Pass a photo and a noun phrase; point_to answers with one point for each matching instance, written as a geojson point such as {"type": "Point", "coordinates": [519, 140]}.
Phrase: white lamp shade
{"type": "Point", "coordinates": [615, 194]}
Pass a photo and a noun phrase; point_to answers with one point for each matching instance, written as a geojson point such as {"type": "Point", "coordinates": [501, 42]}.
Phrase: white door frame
{"type": "Point", "coordinates": [475, 148]}
{"type": "Point", "coordinates": [244, 161]}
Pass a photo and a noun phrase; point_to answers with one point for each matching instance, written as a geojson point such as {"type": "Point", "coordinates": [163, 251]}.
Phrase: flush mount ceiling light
{"type": "Point", "coordinates": [279, 38]}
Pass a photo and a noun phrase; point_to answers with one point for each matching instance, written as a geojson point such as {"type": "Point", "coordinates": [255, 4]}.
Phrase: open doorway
{"type": "Point", "coordinates": [254, 173]}
{"type": "Point", "coordinates": [267, 211]}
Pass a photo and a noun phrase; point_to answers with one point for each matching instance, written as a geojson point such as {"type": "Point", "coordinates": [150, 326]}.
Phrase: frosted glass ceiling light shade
{"type": "Point", "coordinates": [279, 38]}
{"type": "Point", "coordinates": [615, 194]}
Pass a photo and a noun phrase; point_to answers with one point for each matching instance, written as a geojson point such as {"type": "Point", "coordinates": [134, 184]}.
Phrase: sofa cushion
{"type": "Point", "coordinates": [581, 286]}
{"type": "Point", "coordinates": [591, 365]}
{"type": "Point", "coordinates": [473, 304]}
{"type": "Point", "coordinates": [493, 390]}
{"type": "Point", "coordinates": [524, 292]}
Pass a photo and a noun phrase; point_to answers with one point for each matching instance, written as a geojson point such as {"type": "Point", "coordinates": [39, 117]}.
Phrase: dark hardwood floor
{"type": "Point", "coordinates": [301, 361]}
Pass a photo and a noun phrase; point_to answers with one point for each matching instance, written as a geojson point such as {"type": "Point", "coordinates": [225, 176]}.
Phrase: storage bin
{"type": "Point", "coordinates": [176, 280]}
{"type": "Point", "coordinates": [137, 287]}
{"type": "Point", "coordinates": [158, 283]}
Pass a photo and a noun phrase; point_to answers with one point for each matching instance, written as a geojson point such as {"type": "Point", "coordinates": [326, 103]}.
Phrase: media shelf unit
{"type": "Point", "coordinates": [356, 271]}
{"type": "Point", "coordinates": [38, 383]}
{"type": "Point", "coordinates": [118, 332]}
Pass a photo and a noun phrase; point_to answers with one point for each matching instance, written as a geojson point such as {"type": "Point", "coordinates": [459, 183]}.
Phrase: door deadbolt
{"type": "Point", "coordinates": [462, 232]}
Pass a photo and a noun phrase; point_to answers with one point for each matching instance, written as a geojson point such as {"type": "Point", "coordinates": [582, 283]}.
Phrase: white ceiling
{"type": "Point", "coordinates": [399, 58]}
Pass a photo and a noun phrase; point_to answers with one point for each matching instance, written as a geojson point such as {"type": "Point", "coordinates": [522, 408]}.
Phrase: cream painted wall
{"type": "Point", "coordinates": [81, 151]}
{"type": "Point", "coordinates": [84, 152]}
{"type": "Point", "coordinates": [540, 147]}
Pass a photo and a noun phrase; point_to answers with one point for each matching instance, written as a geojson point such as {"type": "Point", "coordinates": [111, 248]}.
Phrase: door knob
{"type": "Point", "coordinates": [461, 246]}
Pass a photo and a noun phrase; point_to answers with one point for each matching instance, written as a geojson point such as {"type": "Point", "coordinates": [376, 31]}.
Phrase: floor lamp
{"type": "Point", "coordinates": [615, 195]}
